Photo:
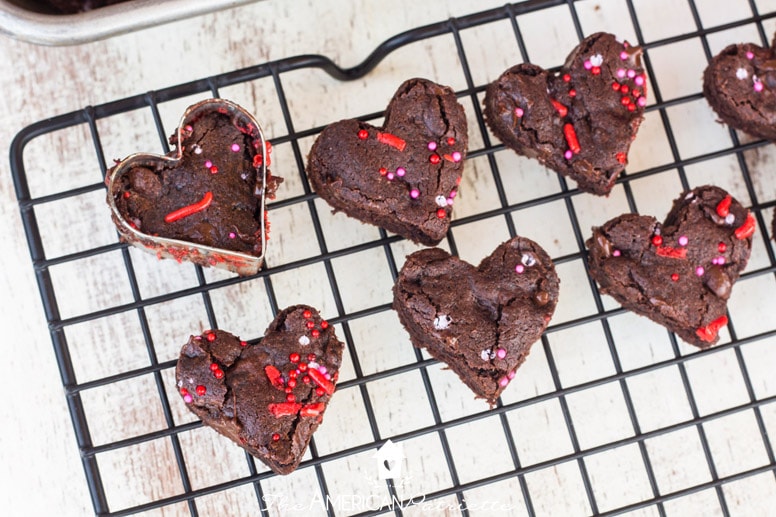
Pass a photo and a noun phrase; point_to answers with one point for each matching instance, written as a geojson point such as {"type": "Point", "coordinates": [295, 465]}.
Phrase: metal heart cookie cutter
{"type": "Point", "coordinates": [238, 262]}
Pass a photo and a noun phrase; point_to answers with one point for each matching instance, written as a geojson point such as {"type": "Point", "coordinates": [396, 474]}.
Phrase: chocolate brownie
{"type": "Point", "coordinates": [579, 121]}
{"type": "Point", "coordinates": [403, 176]}
{"type": "Point", "coordinates": [480, 321]}
{"type": "Point", "coordinates": [678, 273]}
{"type": "Point", "coordinates": [740, 85]}
{"type": "Point", "coordinates": [204, 201]}
{"type": "Point", "coordinates": [78, 6]}
{"type": "Point", "coordinates": [269, 397]}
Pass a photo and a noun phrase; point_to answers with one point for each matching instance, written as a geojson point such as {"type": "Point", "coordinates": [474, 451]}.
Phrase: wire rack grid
{"type": "Point", "coordinates": [611, 414]}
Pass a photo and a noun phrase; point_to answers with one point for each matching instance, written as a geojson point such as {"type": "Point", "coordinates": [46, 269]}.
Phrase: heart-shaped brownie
{"type": "Point", "coordinates": [679, 273]}
{"type": "Point", "coordinates": [579, 121]}
{"type": "Point", "coordinates": [740, 85]}
{"type": "Point", "coordinates": [403, 176]}
{"type": "Point", "coordinates": [480, 321]}
{"type": "Point", "coordinates": [269, 397]}
{"type": "Point", "coordinates": [204, 201]}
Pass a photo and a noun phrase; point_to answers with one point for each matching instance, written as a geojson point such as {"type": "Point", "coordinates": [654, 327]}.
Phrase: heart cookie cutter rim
{"type": "Point", "coordinates": [163, 247]}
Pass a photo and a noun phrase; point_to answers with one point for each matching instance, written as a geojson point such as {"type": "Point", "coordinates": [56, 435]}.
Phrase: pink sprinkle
{"type": "Point", "coordinates": [328, 376]}
{"type": "Point", "coordinates": [453, 193]}
{"type": "Point", "coordinates": [322, 369]}
{"type": "Point", "coordinates": [187, 399]}
{"type": "Point", "coordinates": [401, 171]}
{"type": "Point", "coordinates": [414, 193]}
{"type": "Point", "coordinates": [568, 154]}
{"type": "Point", "coordinates": [519, 112]}
{"type": "Point", "coordinates": [639, 80]}
{"type": "Point", "coordinates": [390, 176]}
{"type": "Point", "coordinates": [683, 240]}
{"type": "Point", "coordinates": [758, 86]}
{"type": "Point", "coordinates": [721, 261]}
{"type": "Point", "coordinates": [642, 101]}
{"type": "Point", "coordinates": [620, 73]}
{"type": "Point", "coordinates": [450, 201]}
{"type": "Point", "coordinates": [616, 253]}
{"type": "Point", "coordinates": [631, 74]}
{"type": "Point", "coordinates": [432, 146]}
{"type": "Point", "coordinates": [503, 382]}
{"type": "Point", "coordinates": [623, 55]}
{"type": "Point", "coordinates": [235, 147]}
{"type": "Point", "coordinates": [699, 270]}
{"type": "Point", "coordinates": [511, 375]}
{"type": "Point", "coordinates": [208, 164]}
{"type": "Point", "coordinates": [519, 268]}
{"type": "Point", "coordinates": [456, 156]}
{"type": "Point", "coordinates": [588, 65]}
{"type": "Point", "coordinates": [232, 235]}
{"type": "Point", "coordinates": [189, 129]}
{"type": "Point", "coordinates": [749, 54]}
{"type": "Point", "coordinates": [501, 353]}
{"type": "Point", "coordinates": [715, 260]}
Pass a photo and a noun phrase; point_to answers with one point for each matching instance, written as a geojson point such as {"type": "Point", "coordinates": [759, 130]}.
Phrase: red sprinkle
{"type": "Point", "coordinates": [392, 140]}
{"type": "Point", "coordinates": [126, 194]}
{"type": "Point", "coordinates": [746, 230]}
{"type": "Point", "coordinates": [294, 357]}
{"type": "Point", "coordinates": [441, 213]}
{"type": "Point", "coordinates": [571, 138]}
{"type": "Point", "coordinates": [566, 77]}
{"type": "Point", "coordinates": [616, 86]}
{"type": "Point", "coordinates": [273, 374]}
{"type": "Point", "coordinates": [363, 134]}
{"type": "Point", "coordinates": [218, 374]}
{"type": "Point", "coordinates": [320, 391]}
{"type": "Point", "coordinates": [275, 437]}
{"type": "Point", "coordinates": [307, 314]}
{"type": "Point", "coordinates": [560, 108]}
{"type": "Point", "coordinates": [290, 398]}
{"type": "Point", "coordinates": [214, 170]}
{"type": "Point", "coordinates": [675, 276]}
{"type": "Point", "coordinates": [312, 409]}
{"type": "Point", "coordinates": [284, 408]}
{"type": "Point", "coordinates": [292, 374]}
{"type": "Point", "coordinates": [211, 336]}
{"type": "Point", "coordinates": [434, 158]}
{"type": "Point", "coordinates": [722, 247]}
{"type": "Point", "coordinates": [657, 240]}
{"type": "Point", "coordinates": [322, 381]}
{"type": "Point", "coordinates": [596, 70]}
{"type": "Point", "coordinates": [310, 358]}
{"type": "Point", "coordinates": [310, 324]}
{"type": "Point", "coordinates": [723, 207]}
{"type": "Point", "coordinates": [201, 390]}
{"type": "Point", "coordinates": [324, 324]}
{"type": "Point", "coordinates": [451, 141]}
{"type": "Point", "coordinates": [302, 367]}
{"type": "Point", "coordinates": [190, 209]}
{"type": "Point", "coordinates": [243, 343]}
{"type": "Point", "coordinates": [625, 100]}
{"type": "Point", "coordinates": [624, 88]}
{"type": "Point", "coordinates": [213, 367]}
{"type": "Point", "coordinates": [667, 251]}
{"type": "Point", "coordinates": [184, 392]}
{"type": "Point", "coordinates": [710, 331]}
{"type": "Point", "coordinates": [306, 379]}
{"type": "Point", "coordinates": [315, 333]}
{"type": "Point", "coordinates": [257, 159]}
{"type": "Point", "coordinates": [572, 93]}
{"type": "Point", "coordinates": [292, 383]}
{"type": "Point", "coordinates": [622, 157]}
{"type": "Point", "coordinates": [383, 171]}
{"type": "Point", "coordinates": [631, 107]}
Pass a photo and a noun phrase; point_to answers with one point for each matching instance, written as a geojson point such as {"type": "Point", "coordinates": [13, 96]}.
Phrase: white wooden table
{"type": "Point", "coordinates": [41, 472]}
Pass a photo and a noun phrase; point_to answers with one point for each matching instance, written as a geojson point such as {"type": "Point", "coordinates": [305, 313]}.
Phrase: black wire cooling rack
{"type": "Point", "coordinates": [655, 499]}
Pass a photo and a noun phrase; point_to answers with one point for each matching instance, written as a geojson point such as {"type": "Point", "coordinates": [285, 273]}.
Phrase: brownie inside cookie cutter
{"type": "Point", "coordinates": [242, 263]}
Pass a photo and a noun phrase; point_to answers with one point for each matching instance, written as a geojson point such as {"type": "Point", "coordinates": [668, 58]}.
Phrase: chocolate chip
{"type": "Point", "coordinates": [718, 282]}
